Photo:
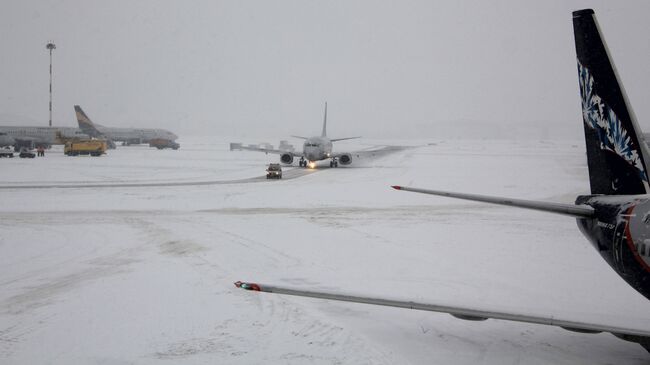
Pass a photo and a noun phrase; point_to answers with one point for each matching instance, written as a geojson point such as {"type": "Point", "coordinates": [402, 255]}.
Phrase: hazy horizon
{"type": "Point", "coordinates": [260, 68]}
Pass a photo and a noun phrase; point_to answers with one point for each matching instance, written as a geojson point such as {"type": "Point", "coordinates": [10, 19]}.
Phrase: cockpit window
{"type": "Point", "coordinates": [311, 144]}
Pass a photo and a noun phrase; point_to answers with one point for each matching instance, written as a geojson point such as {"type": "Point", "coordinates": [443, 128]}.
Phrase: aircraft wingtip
{"type": "Point", "coordinates": [247, 286]}
{"type": "Point", "coordinates": [396, 187]}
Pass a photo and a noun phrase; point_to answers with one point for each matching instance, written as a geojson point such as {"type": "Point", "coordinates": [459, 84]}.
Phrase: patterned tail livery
{"type": "Point", "coordinates": [616, 157]}
{"type": "Point", "coordinates": [85, 124]}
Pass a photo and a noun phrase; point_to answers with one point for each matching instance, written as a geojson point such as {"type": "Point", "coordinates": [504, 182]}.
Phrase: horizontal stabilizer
{"type": "Point", "coordinates": [300, 137]}
{"type": "Point", "coordinates": [636, 335]}
{"type": "Point", "coordinates": [581, 211]}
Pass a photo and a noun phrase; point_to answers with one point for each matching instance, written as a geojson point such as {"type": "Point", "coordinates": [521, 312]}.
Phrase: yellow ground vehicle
{"type": "Point", "coordinates": [160, 143]}
{"type": "Point", "coordinates": [94, 147]}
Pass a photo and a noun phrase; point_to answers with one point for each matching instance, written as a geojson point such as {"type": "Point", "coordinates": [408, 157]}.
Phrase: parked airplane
{"type": "Point", "coordinates": [124, 135]}
{"type": "Point", "coordinates": [314, 149]}
{"type": "Point", "coordinates": [615, 217]}
{"type": "Point", "coordinates": [37, 136]}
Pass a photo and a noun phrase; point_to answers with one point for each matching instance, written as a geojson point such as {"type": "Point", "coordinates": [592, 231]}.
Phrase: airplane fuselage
{"type": "Point", "coordinates": [136, 135]}
{"type": "Point", "coordinates": [620, 232]}
{"type": "Point", "coordinates": [317, 149]}
{"type": "Point", "coordinates": [52, 135]}
{"type": "Point", "coordinates": [39, 135]}
{"type": "Point", "coordinates": [126, 135]}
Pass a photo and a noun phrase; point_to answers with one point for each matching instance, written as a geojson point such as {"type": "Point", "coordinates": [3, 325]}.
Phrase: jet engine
{"type": "Point", "coordinates": [286, 158]}
{"type": "Point", "coordinates": [345, 159]}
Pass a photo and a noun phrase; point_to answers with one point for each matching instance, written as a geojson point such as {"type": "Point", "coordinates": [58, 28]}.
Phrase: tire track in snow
{"type": "Point", "coordinates": [255, 336]}
{"type": "Point", "coordinates": [291, 173]}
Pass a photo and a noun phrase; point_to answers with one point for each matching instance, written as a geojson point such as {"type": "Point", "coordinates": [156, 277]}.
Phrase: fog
{"type": "Point", "coordinates": [250, 69]}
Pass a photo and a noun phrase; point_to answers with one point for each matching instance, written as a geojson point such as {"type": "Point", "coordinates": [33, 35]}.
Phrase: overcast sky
{"type": "Point", "coordinates": [255, 68]}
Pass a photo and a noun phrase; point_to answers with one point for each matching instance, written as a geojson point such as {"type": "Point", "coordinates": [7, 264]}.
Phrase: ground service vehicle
{"type": "Point", "coordinates": [160, 143]}
{"type": "Point", "coordinates": [274, 171]}
{"type": "Point", "coordinates": [93, 147]}
{"type": "Point", "coordinates": [6, 152]}
{"type": "Point", "coordinates": [26, 153]}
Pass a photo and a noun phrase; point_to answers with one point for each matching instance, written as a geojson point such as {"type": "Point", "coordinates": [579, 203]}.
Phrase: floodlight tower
{"type": "Point", "coordinates": [50, 46]}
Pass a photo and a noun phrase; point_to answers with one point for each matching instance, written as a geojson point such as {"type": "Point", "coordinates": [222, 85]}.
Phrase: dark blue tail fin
{"type": "Point", "coordinates": [615, 154]}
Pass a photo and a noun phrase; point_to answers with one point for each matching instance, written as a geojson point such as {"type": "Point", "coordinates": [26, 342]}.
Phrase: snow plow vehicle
{"type": "Point", "coordinates": [93, 147]}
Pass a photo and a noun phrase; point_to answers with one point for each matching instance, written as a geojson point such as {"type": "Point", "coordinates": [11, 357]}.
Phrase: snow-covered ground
{"type": "Point", "coordinates": [119, 275]}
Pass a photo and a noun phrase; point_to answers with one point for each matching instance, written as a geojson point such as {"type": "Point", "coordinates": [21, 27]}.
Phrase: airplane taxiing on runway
{"type": "Point", "coordinates": [615, 217]}
{"type": "Point", "coordinates": [314, 149]}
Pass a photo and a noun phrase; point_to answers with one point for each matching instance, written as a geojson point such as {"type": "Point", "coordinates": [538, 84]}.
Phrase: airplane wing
{"type": "Point", "coordinates": [367, 154]}
{"type": "Point", "coordinates": [343, 139]}
{"type": "Point", "coordinates": [579, 211]}
{"type": "Point", "coordinates": [28, 139]}
{"type": "Point", "coordinates": [241, 147]}
{"type": "Point", "coordinates": [634, 335]}
{"type": "Point", "coordinates": [339, 154]}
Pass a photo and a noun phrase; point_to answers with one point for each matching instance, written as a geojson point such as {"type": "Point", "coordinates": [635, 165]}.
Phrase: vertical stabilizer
{"type": "Point", "coordinates": [89, 128]}
{"type": "Point", "coordinates": [324, 134]}
{"type": "Point", "coordinates": [85, 124]}
{"type": "Point", "coordinates": [616, 157]}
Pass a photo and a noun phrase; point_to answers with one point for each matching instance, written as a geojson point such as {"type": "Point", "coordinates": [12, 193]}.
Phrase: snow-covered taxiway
{"type": "Point", "coordinates": [144, 274]}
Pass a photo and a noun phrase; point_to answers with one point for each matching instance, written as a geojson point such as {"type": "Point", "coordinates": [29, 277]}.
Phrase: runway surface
{"type": "Point", "coordinates": [289, 172]}
{"type": "Point", "coordinates": [145, 274]}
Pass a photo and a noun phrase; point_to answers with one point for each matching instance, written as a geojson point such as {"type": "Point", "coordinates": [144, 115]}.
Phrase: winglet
{"type": "Point", "coordinates": [247, 286]}
{"type": "Point", "coordinates": [396, 187]}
